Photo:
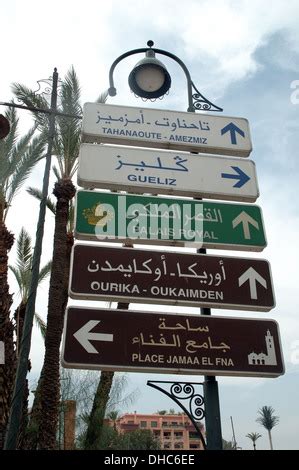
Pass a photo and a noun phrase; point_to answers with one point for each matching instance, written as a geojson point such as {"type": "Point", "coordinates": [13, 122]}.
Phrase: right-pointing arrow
{"type": "Point", "coordinates": [83, 336]}
{"type": "Point", "coordinates": [239, 175]}
{"type": "Point", "coordinates": [245, 219]}
{"type": "Point", "coordinates": [253, 277]}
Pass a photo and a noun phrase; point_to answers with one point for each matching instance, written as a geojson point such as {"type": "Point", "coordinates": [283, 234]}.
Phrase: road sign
{"type": "Point", "coordinates": [170, 343]}
{"type": "Point", "coordinates": [223, 135]}
{"type": "Point", "coordinates": [153, 171]}
{"type": "Point", "coordinates": [155, 220]}
{"type": "Point", "coordinates": [134, 275]}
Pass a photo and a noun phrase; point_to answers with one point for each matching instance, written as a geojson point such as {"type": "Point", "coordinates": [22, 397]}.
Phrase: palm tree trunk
{"type": "Point", "coordinates": [7, 370]}
{"type": "Point", "coordinates": [96, 418]}
{"type": "Point", "coordinates": [19, 317]}
{"type": "Point", "coordinates": [270, 439]}
{"type": "Point", "coordinates": [64, 191]}
{"type": "Point", "coordinates": [32, 431]}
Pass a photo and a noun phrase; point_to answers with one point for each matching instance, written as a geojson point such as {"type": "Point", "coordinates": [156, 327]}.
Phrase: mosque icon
{"type": "Point", "coordinates": [268, 359]}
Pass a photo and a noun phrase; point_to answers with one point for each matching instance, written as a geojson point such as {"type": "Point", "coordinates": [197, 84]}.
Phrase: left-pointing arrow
{"type": "Point", "coordinates": [84, 336]}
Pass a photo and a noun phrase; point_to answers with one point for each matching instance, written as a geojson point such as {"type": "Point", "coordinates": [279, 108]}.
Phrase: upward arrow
{"type": "Point", "coordinates": [83, 336]}
{"type": "Point", "coordinates": [233, 129]}
{"type": "Point", "coordinates": [253, 277]}
{"type": "Point", "coordinates": [245, 220]}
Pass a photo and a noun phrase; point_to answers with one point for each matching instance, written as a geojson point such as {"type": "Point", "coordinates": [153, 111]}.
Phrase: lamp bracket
{"type": "Point", "coordinates": [201, 103]}
{"type": "Point", "coordinates": [186, 392]}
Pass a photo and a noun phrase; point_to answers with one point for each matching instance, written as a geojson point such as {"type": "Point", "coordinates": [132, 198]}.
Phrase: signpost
{"type": "Point", "coordinates": [223, 135]}
{"type": "Point", "coordinates": [171, 343]}
{"type": "Point", "coordinates": [133, 275]}
{"type": "Point", "coordinates": [108, 167]}
{"type": "Point", "coordinates": [102, 216]}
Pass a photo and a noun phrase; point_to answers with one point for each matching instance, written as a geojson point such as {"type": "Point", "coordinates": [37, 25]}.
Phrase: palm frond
{"type": "Point", "coordinates": [6, 147]}
{"type": "Point", "coordinates": [44, 272]}
{"type": "Point", "coordinates": [29, 98]}
{"type": "Point", "coordinates": [17, 275]}
{"type": "Point", "coordinates": [37, 194]}
{"type": "Point", "coordinates": [41, 324]}
{"type": "Point", "coordinates": [10, 140]}
{"type": "Point", "coordinates": [69, 135]}
{"type": "Point", "coordinates": [254, 436]}
{"type": "Point", "coordinates": [24, 250]}
{"type": "Point", "coordinates": [23, 261]}
{"type": "Point", "coordinates": [56, 172]}
{"type": "Point", "coordinates": [24, 167]}
{"type": "Point", "coordinates": [267, 418]}
{"type": "Point", "coordinates": [102, 97]}
{"type": "Point", "coordinates": [18, 151]}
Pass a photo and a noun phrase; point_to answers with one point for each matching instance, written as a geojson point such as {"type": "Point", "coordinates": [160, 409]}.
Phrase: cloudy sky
{"type": "Point", "coordinates": [242, 55]}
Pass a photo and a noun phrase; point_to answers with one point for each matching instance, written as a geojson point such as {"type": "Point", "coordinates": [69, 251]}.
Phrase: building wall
{"type": "Point", "coordinates": [174, 431]}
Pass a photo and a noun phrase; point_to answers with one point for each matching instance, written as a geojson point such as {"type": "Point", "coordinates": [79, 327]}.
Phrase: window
{"type": "Point", "coordinates": [178, 445]}
{"type": "Point", "coordinates": [130, 421]}
{"type": "Point", "coordinates": [194, 446]}
{"type": "Point", "coordinates": [143, 424]}
{"type": "Point", "coordinates": [154, 424]}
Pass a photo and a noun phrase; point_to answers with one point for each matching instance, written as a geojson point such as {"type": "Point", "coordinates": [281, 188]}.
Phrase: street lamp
{"type": "Point", "coordinates": [150, 79]}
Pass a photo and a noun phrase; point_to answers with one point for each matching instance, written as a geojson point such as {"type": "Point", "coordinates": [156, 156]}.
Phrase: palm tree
{"type": "Point", "coordinates": [18, 156]}
{"type": "Point", "coordinates": [228, 445]}
{"type": "Point", "coordinates": [66, 150]}
{"type": "Point", "coordinates": [254, 436]}
{"type": "Point", "coordinates": [113, 415]}
{"type": "Point", "coordinates": [268, 420]}
{"type": "Point", "coordinates": [22, 273]}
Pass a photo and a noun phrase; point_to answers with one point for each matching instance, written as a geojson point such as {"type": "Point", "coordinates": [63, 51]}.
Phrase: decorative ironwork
{"type": "Point", "coordinates": [45, 87]}
{"type": "Point", "coordinates": [201, 103]}
{"type": "Point", "coordinates": [185, 391]}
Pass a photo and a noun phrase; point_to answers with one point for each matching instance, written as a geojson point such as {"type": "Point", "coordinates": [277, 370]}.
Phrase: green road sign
{"type": "Point", "coordinates": [112, 217]}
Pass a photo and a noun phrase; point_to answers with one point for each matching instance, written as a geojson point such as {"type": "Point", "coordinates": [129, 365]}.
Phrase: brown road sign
{"type": "Point", "coordinates": [134, 275]}
{"type": "Point", "coordinates": [170, 343]}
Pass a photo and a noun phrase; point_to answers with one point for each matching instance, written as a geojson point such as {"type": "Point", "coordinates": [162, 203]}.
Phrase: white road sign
{"type": "Point", "coordinates": [222, 135]}
{"type": "Point", "coordinates": [164, 172]}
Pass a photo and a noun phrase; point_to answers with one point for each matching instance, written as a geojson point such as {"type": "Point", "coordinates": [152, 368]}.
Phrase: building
{"type": "Point", "coordinates": [262, 358]}
{"type": "Point", "coordinates": [175, 431]}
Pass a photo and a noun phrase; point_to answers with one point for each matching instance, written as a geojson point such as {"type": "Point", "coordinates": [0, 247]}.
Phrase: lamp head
{"type": "Point", "coordinates": [149, 78]}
